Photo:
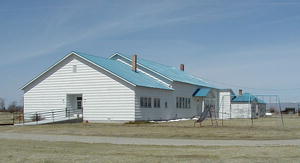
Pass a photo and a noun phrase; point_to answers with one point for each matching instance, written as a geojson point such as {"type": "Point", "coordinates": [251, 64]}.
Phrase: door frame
{"type": "Point", "coordinates": [74, 105]}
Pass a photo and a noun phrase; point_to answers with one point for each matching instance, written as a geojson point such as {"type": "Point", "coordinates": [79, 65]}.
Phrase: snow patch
{"type": "Point", "coordinates": [174, 120]}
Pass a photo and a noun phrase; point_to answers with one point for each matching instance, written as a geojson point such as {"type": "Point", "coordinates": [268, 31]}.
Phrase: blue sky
{"type": "Point", "coordinates": [251, 44]}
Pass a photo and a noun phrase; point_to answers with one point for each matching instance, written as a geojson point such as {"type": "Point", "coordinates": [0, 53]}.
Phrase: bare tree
{"type": "Point", "coordinates": [13, 107]}
{"type": "Point", "coordinates": [2, 104]}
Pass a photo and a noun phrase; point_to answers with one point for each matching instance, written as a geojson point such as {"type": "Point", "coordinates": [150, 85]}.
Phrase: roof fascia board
{"type": "Point", "coordinates": [73, 53]}
{"type": "Point", "coordinates": [142, 66]}
{"type": "Point", "coordinates": [170, 89]}
{"type": "Point", "coordinates": [41, 74]}
{"type": "Point", "coordinates": [104, 69]}
{"type": "Point", "coordinates": [200, 86]}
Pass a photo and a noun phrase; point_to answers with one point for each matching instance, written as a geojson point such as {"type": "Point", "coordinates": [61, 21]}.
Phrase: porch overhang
{"type": "Point", "coordinates": [202, 92]}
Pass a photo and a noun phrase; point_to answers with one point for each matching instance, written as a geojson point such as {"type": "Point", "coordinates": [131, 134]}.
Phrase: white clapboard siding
{"type": "Point", "coordinates": [185, 90]}
{"type": "Point", "coordinates": [225, 104]}
{"type": "Point", "coordinates": [171, 112]}
{"type": "Point", "coordinates": [105, 97]}
{"type": "Point", "coordinates": [152, 113]}
{"type": "Point", "coordinates": [240, 110]}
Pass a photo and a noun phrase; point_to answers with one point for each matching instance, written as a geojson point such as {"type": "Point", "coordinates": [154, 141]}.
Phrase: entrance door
{"type": "Point", "coordinates": [74, 104]}
{"type": "Point", "coordinates": [199, 107]}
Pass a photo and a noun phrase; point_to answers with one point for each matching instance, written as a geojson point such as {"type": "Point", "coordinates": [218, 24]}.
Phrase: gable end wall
{"type": "Point", "coordinates": [105, 97]}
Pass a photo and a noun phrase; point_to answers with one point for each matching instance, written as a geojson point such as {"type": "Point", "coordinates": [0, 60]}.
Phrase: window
{"type": "Point", "coordinates": [156, 102]}
{"type": "Point", "coordinates": [79, 102]}
{"type": "Point", "coordinates": [74, 68]}
{"type": "Point", "coordinates": [166, 104]}
{"type": "Point", "coordinates": [182, 102]}
{"type": "Point", "coordinates": [189, 103]}
{"type": "Point", "coordinates": [145, 102]}
{"type": "Point", "coordinates": [149, 102]}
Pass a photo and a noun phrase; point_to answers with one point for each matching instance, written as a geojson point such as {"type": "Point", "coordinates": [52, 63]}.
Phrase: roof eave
{"type": "Point", "coordinates": [78, 55]}
{"type": "Point", "coordinates": [143, 66]}
{"type": "Point", "coordinates": [104, 69]}
{"type": "Point", "coordinates": [41, 74]}
{"type": "Point", "coordinates": [168, 89]}
{"type": "Point", "coordinates": [197, 85]}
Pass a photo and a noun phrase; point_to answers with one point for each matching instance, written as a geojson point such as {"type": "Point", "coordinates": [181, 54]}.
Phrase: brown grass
{"type": "Point", "coordinates": [64, 152]}
{"type": "Point", "coordinates": [6, 118]}
{"type": "Point", "coordinates": [262, 129]}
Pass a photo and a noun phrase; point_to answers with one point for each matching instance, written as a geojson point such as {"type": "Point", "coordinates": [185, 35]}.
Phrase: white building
{"type": "Point", "coordinates": [118, 89]}
{"type": "Point", "coordinates": [246, 105]}
{"type": "Point", "coordinates": [225, 96]}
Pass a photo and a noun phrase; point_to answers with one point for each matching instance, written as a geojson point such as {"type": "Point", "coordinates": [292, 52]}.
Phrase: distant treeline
{"type": "Point", "coordinates": [12, 107]}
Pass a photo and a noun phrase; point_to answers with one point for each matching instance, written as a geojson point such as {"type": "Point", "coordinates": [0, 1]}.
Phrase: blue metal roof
{"type": "Point", "coordinates": [247, 97]}
{"type": "Point", "coordinates": [124, 71]}
{"type": "Point", "coordinates": [260, 101]}
{"type": "Point", "coordinates": [172, 73]}
{"type": "Point", "coordinates": [202, 92]}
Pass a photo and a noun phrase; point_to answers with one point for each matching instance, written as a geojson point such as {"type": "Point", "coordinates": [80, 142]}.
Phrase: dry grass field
{"type": "Point", "coordinates": [50, 152]}
{"type": "Point", "coordinates": [262, 129]}
{"type": "Point", "coordinates": [56, 152]}
{"type": "Point", "coordinates": [6, 118]}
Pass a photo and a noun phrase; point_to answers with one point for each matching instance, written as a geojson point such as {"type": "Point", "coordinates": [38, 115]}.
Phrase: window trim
{"type": "Point", "coordinates": [145, 102]}
{"type": "Point", "coordinates": [156, 102]}
{"type": "Point", "coordinates": [183, 102]}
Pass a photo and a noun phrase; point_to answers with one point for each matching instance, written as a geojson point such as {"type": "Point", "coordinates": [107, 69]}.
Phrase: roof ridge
{"type": "Point", "coordinates": [82, 53]}
{"type": "Point", "coordinates": [118, 69]}
{"type": "Point", "coordinates": [126, 55]}
{"type": "Point", "coordinates": [172, 73]}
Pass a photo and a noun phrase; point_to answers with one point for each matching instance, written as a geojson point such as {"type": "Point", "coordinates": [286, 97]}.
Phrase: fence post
{"type": "Point", "coordinates": [53, 116]}
{"type": "Point", "coordinates": [13, 117]}
{"type": "Point", "coordinates": [36, 118]}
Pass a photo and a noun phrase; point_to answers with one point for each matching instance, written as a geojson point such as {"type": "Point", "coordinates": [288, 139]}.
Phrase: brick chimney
{"type": "Point", "coordinates": [134, 63]}
{"type": "Point", "coordinates": [182, 67]}
{"type": "Point", "coordinates": [240, 92]}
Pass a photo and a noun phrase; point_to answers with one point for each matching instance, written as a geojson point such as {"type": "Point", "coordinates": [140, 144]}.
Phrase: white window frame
{"type": "Point", "coordinates": [156, 102]}
{"type": "Point", "coordinates": [183, 102]}
{"type": "Point", "coordinates": [145, 102]}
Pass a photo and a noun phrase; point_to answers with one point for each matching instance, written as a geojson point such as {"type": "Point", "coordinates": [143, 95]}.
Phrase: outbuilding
{"type": "Point", "coordinates": [246, 105]}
